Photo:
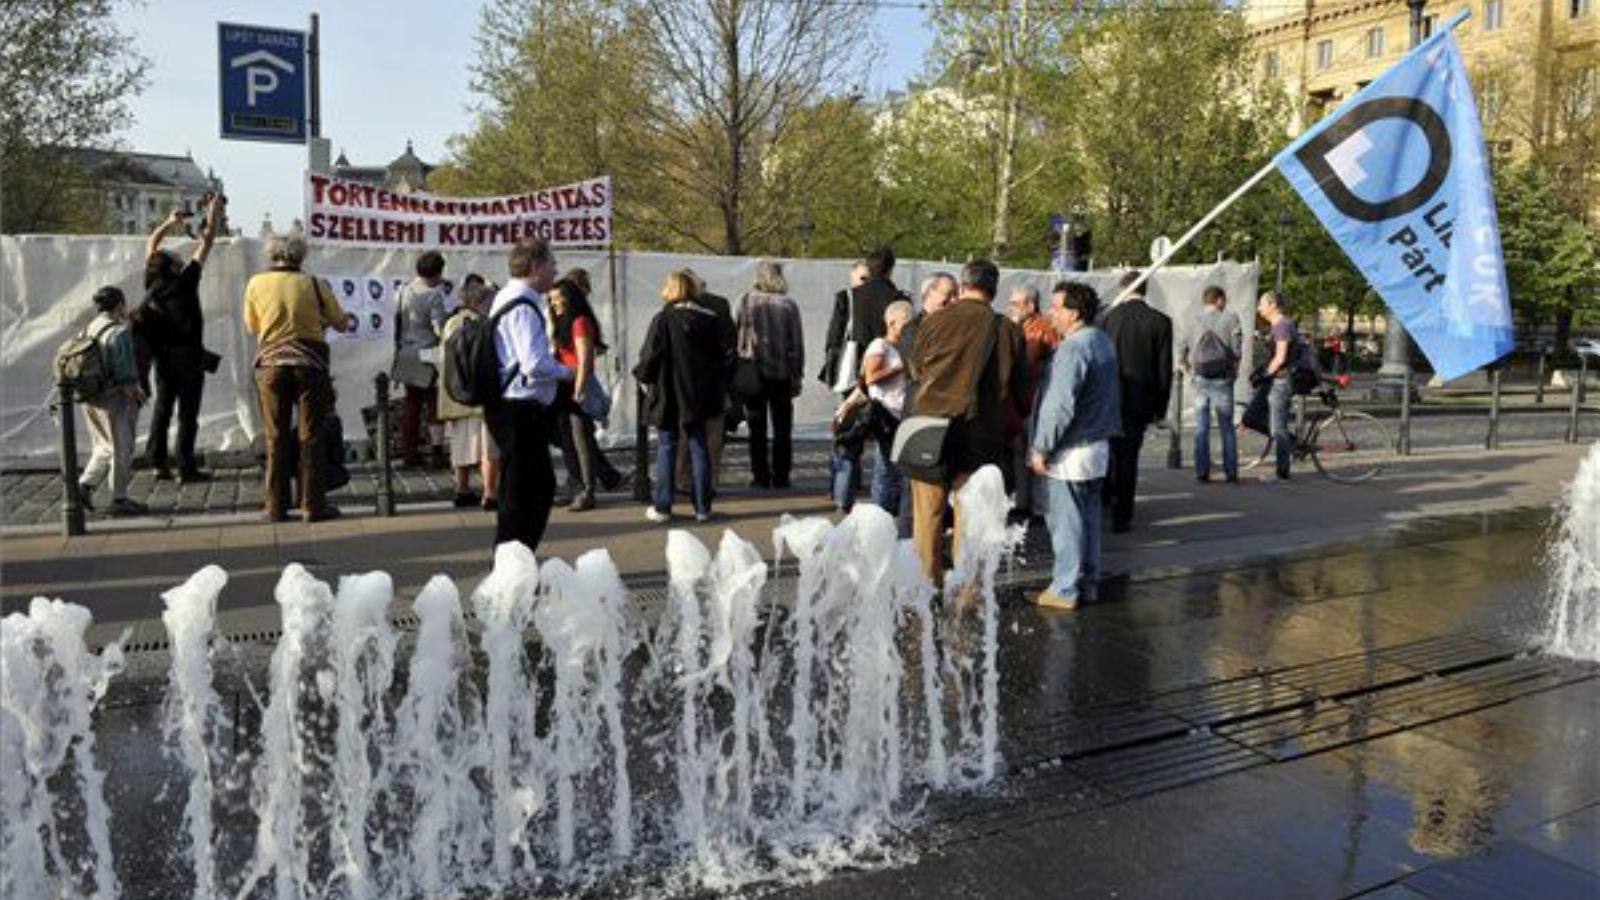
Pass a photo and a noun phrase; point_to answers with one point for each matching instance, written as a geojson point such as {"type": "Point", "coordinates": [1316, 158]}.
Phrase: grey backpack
{"type": "Point", "coordinates": [81, 362]}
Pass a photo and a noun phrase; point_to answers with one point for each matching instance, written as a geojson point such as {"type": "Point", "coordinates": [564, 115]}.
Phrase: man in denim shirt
{"type": "Point", "coordinates": [1075, 416]}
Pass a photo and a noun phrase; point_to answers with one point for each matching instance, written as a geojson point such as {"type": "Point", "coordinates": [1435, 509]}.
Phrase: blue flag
{"type": "Point", "coordinates": [1399, 177]}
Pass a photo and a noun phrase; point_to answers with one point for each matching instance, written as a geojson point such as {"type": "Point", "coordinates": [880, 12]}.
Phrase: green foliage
{"type": "Point", "coordinates": [66, 74]}
{"type": "Point", "coordinates": [1552, 258]}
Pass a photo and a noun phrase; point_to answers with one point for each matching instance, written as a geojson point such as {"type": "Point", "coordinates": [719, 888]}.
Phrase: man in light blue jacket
{"type": "Point", "coordinates": [1075, 416]}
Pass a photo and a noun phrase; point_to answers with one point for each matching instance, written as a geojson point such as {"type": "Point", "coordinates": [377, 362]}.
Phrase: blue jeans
{"type": "Point", "coordinates": [699, 467]}
{"type": "Point", "coordinates": [1074, 521]}
{"type": "Point", "coordinates": [885, 477]}
{"type": "Point", "coordinates": [1278, 414]}
{"type": "Point", "coordinates": [844, 476]}
{"type": "Point", "coordinates": [1214, 396]}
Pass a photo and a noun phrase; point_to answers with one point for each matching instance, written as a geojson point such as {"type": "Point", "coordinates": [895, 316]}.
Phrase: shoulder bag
{"type": "Point", "coordinates": [920, 443]}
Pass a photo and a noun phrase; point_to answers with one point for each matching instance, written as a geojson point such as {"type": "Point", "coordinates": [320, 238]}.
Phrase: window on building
{"type": "Point", "coordinates": [1429, 22]}
{"type": "Point", "coordinates": [1494, 15]}
{"type": "Point", "coordinates": [1578, 8]}
{"type": "Point", "coordinates": [1324, 54]}
{"type": "Point", "coordinates": [1585, 94]}
{"type": "Point", "coordinates": [1318, 103]}
{"type": "Point", "coordinates": [1271, 64]}
{"type": "Point", "coordinates": [1375, 43]}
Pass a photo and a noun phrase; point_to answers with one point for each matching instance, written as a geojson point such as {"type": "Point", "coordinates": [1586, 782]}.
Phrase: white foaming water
{"type": "Point", "coordinates": [984, 539]}
{"type": "Point", "coordinates": [49, 686]}
{"type": "Point", "coordinates": [278, 793]}
{"type": "Point", "coordinates": [504, 604]}
{"type": "Point", "coordinates": [1574, 620]}
{"type": "Point", "coordinates": [581, 618]}
{"type": "Point", "coordinates": [438, 744]}
{"type": "Point", "coordinates": [193, 721]}
{"type": "Point", "coordinates": [785, 733]}
{"type": "Point", "coordinates": [363, 667]}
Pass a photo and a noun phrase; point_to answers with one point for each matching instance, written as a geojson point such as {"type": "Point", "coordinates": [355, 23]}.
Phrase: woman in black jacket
{"type": "Point", "coordinates": [685, 364]}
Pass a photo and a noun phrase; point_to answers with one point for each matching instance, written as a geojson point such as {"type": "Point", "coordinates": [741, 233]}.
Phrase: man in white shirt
{"type": "Point", "coordinates": [521, 418]}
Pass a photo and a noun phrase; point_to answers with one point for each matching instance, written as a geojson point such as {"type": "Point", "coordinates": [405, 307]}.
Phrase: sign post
{"type": "Point", "coordinates": [262, 83]}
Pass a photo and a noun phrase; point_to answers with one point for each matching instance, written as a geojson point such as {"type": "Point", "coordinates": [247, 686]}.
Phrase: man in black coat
{"type": "Point", "coordinates": [717, 425]}
{"type": "Point", "coordinates": [1143, 338]}
{"type": "Point", "coordinates": [860, 309]}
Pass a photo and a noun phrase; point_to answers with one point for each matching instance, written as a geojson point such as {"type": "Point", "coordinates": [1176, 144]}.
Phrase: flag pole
{"type": "Point", "coordinates": [1205, 220]}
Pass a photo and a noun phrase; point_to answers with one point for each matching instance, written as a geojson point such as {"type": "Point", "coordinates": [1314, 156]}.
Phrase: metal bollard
{"type": "Point", "coordinates": [1175, 438]}
{"type": "Point", "coordinates": [641, 449]}
{"type": "Point", "coordinates": [1403, 442]}
{"type": "Point", "coordinates": [1538, 387]}
{"type": "Point", "coordinates": [1572, 413]}
{"type": "Point", "coordinates": [1583, 378]}
{"type": "Point", "coordinates": [385, 499]}
{"type": "Point", "coordinates": [71, 503]}
{"type": "Point", "coordinates": [1491, 441]}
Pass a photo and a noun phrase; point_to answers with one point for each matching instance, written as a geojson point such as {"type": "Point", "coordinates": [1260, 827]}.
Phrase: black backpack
{"type": "Point", "coordinates": [471, 371]}
{"type": "Point", "coordinates": [1212, 357]}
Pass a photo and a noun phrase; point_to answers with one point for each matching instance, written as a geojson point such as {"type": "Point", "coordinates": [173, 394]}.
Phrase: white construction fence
{"type": "Point", "coordinates": [48, 280]}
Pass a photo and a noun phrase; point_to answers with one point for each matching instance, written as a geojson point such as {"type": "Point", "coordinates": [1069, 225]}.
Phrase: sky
{"type": "Point", "coordinates": [392, 71]}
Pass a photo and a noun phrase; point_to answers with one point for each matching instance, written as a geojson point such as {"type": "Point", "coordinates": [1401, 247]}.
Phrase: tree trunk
{"type": "Point", "coordinates": [1000, 232]}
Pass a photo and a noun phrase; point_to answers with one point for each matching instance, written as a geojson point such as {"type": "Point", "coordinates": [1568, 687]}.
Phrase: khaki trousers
{"type": "Point", "coordinates": [928, 501]}
{"type": "Point", "coordinates": [111, 425]}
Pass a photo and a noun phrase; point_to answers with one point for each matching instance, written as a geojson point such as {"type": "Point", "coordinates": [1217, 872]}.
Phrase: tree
{"type": "Point", "coordinates": [1552, 258]}
{"type": "Point", "coordinates": [735, 82]}
{"type": "Point", "coordinates": [1166, 119]}
{"type": "Point", "coordinates": [66, 75]}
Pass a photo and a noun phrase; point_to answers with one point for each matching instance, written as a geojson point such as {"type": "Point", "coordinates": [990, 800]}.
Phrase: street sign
{"type": "Point", "coordinates": [262, 83]}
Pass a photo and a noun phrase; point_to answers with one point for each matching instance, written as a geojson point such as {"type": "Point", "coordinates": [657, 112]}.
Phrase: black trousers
{"type": "Point", "coordinates": [180, 380]}
{"type": "Point", "coordinates": [1125, 472]}
{"type": "Point", "coordinates": [523, 430]}
{"type": "Point", "coordinates": [776, 401]}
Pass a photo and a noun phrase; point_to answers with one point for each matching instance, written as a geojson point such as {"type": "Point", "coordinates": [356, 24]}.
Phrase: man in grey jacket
{"type": "Point", "coordinates": [1210, 353]}
{"type": "Point", "coordinates": [1075, 416]}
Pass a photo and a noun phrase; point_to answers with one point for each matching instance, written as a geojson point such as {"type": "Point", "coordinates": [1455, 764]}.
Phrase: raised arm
{"type": "Point", "coordinates": [208, 234]}
{"type": "Point", "coordinates": [172, 221]}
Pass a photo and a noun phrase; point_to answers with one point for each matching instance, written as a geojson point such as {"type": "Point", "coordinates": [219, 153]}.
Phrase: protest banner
{"type": "Point", "coordinates": [344, 213]}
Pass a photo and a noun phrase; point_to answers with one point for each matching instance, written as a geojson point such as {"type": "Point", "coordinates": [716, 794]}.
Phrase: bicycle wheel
{"type": "Point", "coordinates": [1350, 447]}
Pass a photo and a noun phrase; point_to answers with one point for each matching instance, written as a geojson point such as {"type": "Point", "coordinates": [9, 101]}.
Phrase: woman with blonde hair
{"type": "Point", "coordinates": [684, 366]}
{"type": "Point", "coordinates": [771, 361]}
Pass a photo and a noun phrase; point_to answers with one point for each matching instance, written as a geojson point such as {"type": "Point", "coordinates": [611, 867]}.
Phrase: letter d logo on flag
{"type": "Point", "coordinates": [1399, 177]}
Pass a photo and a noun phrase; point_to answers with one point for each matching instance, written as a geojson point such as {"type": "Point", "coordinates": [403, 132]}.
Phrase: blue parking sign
{"type": "Point", "coordinates": [262, 83]}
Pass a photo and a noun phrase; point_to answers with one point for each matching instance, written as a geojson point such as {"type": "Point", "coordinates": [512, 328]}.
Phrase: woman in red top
{"type": "Point", "coordinates": [575, 335]}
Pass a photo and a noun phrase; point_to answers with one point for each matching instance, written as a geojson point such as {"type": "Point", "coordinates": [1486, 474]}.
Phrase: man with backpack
{"type": "Point", "coordinates": [101, 367]}
{"type": "Point", "coordinates": [1210, 352]}
{"type": "Point", "coordinates": [518, 407]}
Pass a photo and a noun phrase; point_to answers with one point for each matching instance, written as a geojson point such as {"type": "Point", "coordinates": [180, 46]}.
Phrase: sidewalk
{"type": "Point", "coordinates": [120, 573]}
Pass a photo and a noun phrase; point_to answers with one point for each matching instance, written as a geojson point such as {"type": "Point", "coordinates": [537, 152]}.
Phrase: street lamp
{"type": "Point", "coordinates": [805, 229]}
{"type": "Point", "coordinates": [1284, 221]}
{"type": "Point", "coordinates": [1394, 376]}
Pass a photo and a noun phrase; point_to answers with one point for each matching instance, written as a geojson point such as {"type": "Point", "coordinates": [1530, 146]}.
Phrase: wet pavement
{"type": "Point", "coordinates": [1370, 720]}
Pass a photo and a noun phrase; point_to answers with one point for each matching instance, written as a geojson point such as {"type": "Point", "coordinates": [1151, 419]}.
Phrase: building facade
{"type": "Point", "coordinates": [1519, 52]}
{"type": "Point", "coordinates": [140, 189]}
{"type": "Point", "coordinates": [405, 173]}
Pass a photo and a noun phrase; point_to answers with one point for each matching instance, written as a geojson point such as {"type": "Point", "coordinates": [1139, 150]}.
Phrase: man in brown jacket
{"type": "Point", "coordinates": [960, 378]}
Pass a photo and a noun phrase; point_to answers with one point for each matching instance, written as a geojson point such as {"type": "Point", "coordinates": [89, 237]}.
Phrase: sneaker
{"type": "Point", "coordinates": [489, 504]}
{"type": "Point", "coordinates": [163, 473]}
{"type": "Point", "coordinates": [86, 497]}
{"type": "Point", "coordinates": [124, 506]}
{"type": "Point", "coordinates": [464, 500]}
{"type": "Point", "coordinates": [192, 476]}
{"type": "Point", "coordinates": [1273, 478]}
{"type": "Point", "coordinates": [322, 515]}
{"type": "Point", "coordinates": [657, 516]}
{"type": "Point", "coordinates": [1203, 479]}
{"type": "Point", "coordinates": [583, 502]}
{"type": "Point", "coordinates": [761, 484]}
{"type": "Point", "coordinates": [702, 517]}
{"type": "Point", "coordinates": [1049, 599]}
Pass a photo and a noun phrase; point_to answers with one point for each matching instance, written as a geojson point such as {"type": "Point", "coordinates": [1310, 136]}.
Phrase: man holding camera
{"type": "Point", "coordinates": [172, 327]}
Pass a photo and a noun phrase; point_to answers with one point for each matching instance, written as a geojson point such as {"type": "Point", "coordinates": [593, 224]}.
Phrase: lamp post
{"type": "Point", "coordinates": [1394, 376]}
{"type": "Point", "coordinates": [1284, 221]}
{"type": "Point", "coordinates": [805, 228]}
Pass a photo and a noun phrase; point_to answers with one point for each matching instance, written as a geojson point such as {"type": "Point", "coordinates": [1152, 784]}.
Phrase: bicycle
{"type": "Point", "coordinates": [1347, 446]}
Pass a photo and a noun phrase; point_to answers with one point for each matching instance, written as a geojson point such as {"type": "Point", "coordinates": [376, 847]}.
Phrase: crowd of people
{"type": "Point", "coordinates": [1056, 391]}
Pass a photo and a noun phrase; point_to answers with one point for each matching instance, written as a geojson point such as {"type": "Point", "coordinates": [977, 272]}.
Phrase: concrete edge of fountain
{"type": "Point", "coordinates": [260, 625]}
